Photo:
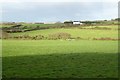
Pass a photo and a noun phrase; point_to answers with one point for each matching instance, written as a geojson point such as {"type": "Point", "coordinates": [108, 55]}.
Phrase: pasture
{"type": "Point", "coordinates": [75, 32]}
{"type": "Point", "coordinates": [74, 58]}
{"type": "Point", "coordinates": [60, 59]}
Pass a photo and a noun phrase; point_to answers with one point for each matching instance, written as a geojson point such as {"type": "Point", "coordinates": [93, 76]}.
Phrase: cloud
{"type": "Point", "coordinates": [58, 11]}
{"type": "Point", "coordinates": [17, 1]}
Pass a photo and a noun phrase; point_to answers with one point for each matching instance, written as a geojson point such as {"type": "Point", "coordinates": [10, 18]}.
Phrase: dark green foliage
{"type": "Point", "coordinates": [105, 38]}
{"type": "Point", "coordinates": [38, 37]}
{"type": "Point", "coordinates": [78, 38]}
{"type": "Point", "coordinates": [68, 22]}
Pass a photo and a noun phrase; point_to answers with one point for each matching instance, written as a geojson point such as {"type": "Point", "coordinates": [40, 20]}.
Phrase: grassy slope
{"type": "Point", "coordinates": [47, 58]}
{"type": "Point", "coordinates": [84, 33]}
{"type": "Point", "coordinates": [31, 25]}
{"type": "Point", "coordinates": [5, 25]}
{"type": "Point", "coordinates": [114, 27]}
{"type": "Point", "coordinates": [42, 25]}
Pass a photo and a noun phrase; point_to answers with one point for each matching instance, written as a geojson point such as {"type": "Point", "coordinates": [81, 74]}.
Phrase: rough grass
{"type": "Point", "coordinates": [42, 25]}
{"type": "Point", "coordinates": [113, 27]}
{"type": "Point", "coordinates": [4, 25]}
{"type": "Point", "coordinates": [75, 32]}
{"type": "Point", "coordinates": [60, 59]}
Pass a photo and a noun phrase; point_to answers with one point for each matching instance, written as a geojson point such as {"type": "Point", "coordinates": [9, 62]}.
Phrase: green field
{"type": "Point", "coordinates": [75, 32]}
{"type": "Point", "coordinates": [113, 27]}
{"type": "Point", "coordinates": [42, 25]}
{"type": "Point", "coordinates": [60, 59]}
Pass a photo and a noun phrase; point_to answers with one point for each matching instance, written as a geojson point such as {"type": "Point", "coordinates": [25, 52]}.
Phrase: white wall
{"type": "Point", "coordinates": [76, 22]}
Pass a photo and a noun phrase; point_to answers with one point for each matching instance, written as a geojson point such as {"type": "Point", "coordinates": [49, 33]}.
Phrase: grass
{"type": "Point", "coordinates": [60, 59]}
{"type": "Point", "coordinates": [4, 25]}
{"type": "Point", "coordinates": [75, 32]}
{"type": "Point", "coordinates": [113, 27]}
{"type": "Point", "coordinates": [42, 25]}
{"type": "Point", "coordinates": [31, 25]}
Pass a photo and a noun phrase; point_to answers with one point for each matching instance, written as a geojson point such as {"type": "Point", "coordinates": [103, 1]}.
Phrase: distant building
{"type": "Point", "coordinates": [38, 23]}
{"type": "Point", "coordinates": [68, 22]}
{"type": "Point", "coordinates": [76, 22]}
{"type": "Point", "coordinates": [73, 22]}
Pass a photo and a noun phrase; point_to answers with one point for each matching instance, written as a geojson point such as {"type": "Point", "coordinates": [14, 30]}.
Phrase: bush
{"type": "Point", "coordinates": [38, 37]}
{"type": "Point", "coordinates": [78, 38]}
{"type": "Point", "coordinates": [60, 35]}
{"type": "Point", "coordinates": [106, 38]}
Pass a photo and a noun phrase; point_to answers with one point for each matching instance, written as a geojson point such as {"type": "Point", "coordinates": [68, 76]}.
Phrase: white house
{"type": "Point", "coordinates": [77, 22]}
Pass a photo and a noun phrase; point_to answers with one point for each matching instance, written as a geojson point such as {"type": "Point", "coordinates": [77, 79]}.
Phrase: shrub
{"type": "Point", "coordinates": [25, 36]}
{"type": "Point", "coordinates": [38, 37]}
{"type": "Point", "coordinates": [104, 38]}
{"type": "Point", "coordinates": [78, 38]}
{"type": "Point", "coordinates": [22, 37]}
{"type": "Point", "coordinates": [60, 35]}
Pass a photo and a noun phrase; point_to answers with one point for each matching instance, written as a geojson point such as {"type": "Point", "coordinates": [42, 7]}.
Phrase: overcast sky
{"type": "Point", "coordinates": [38, 11]}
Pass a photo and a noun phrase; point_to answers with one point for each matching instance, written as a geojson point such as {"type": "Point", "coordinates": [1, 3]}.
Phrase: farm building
{"type": "Point", "coordinates": [38, 23]}
{"type": "Point", "coordinates": [68, 22]}
{"type": "Point", "coordinates": [76, 22]}
{"type": "Point", "coordinates": [73, 22]}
